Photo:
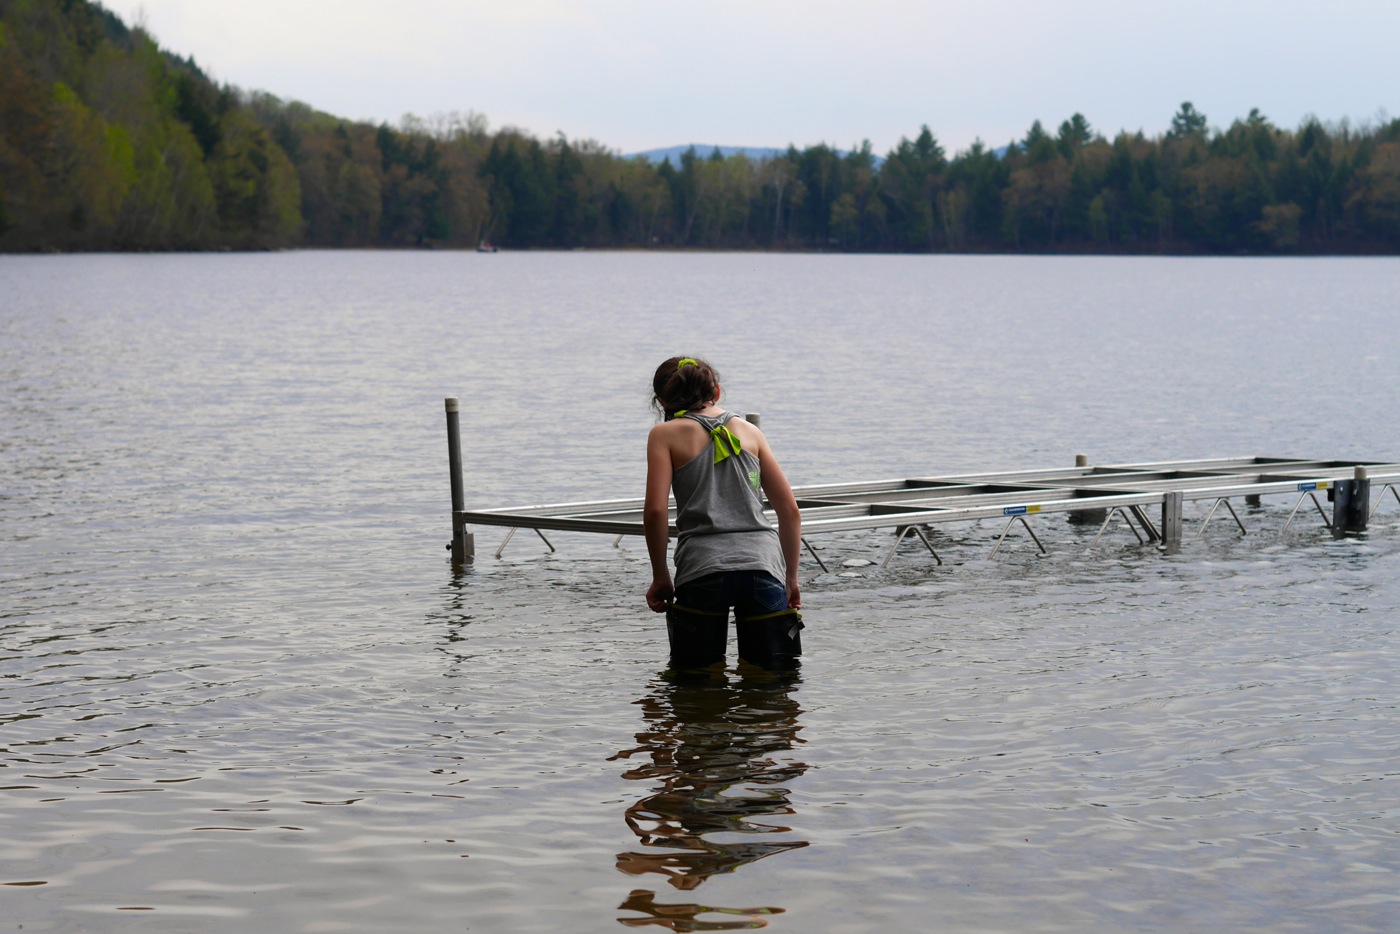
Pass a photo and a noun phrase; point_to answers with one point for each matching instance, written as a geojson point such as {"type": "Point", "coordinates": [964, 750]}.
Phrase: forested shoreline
{"type": "Point", "coordinates": [108, 142]}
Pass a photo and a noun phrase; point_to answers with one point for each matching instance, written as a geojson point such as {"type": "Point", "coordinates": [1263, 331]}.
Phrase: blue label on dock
{"type": "Point", "coordinates": [1014, 511]}
{"type": "Point", "coordinates": [1304, 487]}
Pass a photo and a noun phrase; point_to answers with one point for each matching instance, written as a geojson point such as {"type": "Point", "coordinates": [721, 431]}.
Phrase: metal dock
{"type": "Point", "coordinates": [1133, 493]}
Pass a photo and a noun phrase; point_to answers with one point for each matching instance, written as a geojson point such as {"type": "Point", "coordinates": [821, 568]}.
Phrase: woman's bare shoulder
{"type": "Point", "coordinates": [682, 438]}
{"type": "Point", "coordinates": [675, 428]}
{"type": "Point", "coordinates": [749, 433]}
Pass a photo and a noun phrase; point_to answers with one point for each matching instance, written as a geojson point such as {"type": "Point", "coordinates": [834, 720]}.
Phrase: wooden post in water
{"type": "Point", "coordinates": [753, 418]}
{"type": "Point", "coordinates": [463, 545]}
{"type": "Point", "coordinates": [1351, 503]}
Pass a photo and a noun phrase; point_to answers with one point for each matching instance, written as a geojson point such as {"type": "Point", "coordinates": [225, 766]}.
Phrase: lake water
{"type": "Point", "coordinates": [242, 689]}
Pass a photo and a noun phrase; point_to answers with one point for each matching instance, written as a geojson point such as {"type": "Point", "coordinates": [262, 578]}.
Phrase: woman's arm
{"type": "Point", "coordinates": [656, 519]}
{"type": "Point", "coordinates": [784, 503]}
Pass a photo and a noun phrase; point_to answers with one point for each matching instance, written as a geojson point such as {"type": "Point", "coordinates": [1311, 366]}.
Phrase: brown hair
{"type": "Point", "coordinates": [676, 387]}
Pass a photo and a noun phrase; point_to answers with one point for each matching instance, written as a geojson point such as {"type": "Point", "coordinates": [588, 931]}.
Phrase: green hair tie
{"type": "Point", "coordinates": [686, 361]}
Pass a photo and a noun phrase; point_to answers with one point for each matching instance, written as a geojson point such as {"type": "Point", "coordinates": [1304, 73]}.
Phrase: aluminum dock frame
{"type": "Point", "coordinates": [1133, 493]}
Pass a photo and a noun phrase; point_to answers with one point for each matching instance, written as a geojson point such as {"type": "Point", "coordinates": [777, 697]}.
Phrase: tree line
{"type": "Point", "coordinates": [108, 142]}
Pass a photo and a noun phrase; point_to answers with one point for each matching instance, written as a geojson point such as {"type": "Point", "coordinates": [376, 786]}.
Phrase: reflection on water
{"type": "Point", "coordinates": [453, 618]}
{"type": "Point", "coordinates": [716, 768]}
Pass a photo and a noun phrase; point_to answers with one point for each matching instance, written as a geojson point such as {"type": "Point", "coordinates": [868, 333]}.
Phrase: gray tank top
{"type": "Point", "coordinates": [719, 510]}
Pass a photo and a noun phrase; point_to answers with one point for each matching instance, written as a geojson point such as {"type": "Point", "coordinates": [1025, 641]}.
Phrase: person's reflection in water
{"type": "Point", "coordinates": [716, 766]}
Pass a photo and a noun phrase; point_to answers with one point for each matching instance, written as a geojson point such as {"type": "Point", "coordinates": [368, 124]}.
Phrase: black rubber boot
{"type": "Point", "coordinates": [773, 642]}
{"type": "Point", "coordinates": [697, 639]}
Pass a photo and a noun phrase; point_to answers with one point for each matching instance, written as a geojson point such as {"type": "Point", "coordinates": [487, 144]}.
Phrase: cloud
{"type": "Point", "coordinates": [636, 75]}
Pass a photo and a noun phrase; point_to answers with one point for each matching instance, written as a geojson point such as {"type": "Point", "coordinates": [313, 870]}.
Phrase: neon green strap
{"type": "Point", "coordinates": [790, 611]}
{"type": "Point", "coordinates": [684, 362]}
{"type": "Point", "coordinates": [725, 442]}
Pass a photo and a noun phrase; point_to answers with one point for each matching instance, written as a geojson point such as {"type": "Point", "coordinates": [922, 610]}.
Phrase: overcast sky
{"type": "Point", "coordinates": [641, 75]}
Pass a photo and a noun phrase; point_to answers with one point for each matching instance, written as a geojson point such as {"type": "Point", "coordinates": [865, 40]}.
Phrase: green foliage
{"type": "Point", "coordinates": [1188, 121]}
{"type": "Point", "coordinates": [256, 191]}
{"type": "Point", "coordinates": [108, 142]}
{"type": "Point", "coordinates": [909, 186]}
{"type": "Point", "coordinates": [197, 106]}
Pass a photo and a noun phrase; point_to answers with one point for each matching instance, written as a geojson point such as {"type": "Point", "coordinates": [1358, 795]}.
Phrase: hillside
{"type": "Point", "coordinates": [108, 142]}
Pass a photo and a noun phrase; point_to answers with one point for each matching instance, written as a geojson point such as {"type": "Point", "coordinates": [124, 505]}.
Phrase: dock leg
{"type": "Point", "coordinates": [504, 542]}
{"type": "Point", "coordinates": [903, 532]}
{"type": "Point", "coordinates": [1222, 500]}
{"type": "Point", "coordinates": [1320, 511]}
{"type": "Point", "coordinates": [1014, 519]}
{"type": "Point", "coordinates": [1306, 495]}
{"type": "Point", "coordinates": [1380, 497]}
{"type": "Point", "coordinates": [463, 545]}
{"type": "Point", "coordinates": [1034, 537]}
{"type": "Point", "coordinates": [1171, 520]}
{"type": "Point", "coordinates": [1119, 510]}
{"type": "Point", "coordinates": [511, 534]}
{"type": "Point", "coordinates": [1351, 503]}
{"type": "Point", "coordinates": [1152, 534]}
{"type": "Point", "coordinates": [1293, 513]}
{"type": "Point", "coordinates": [900, 534]}
{"type": "Point", "coordinates": [928, 544]}
{"type": "Point", "coordinates": [1009, 524]}
{"type": "Point", "coordinates": [1209, 515]}
{"type": "Point", "coordinates": [1236, 516]}
{"type": "Point", "coordinates": [813, 551]}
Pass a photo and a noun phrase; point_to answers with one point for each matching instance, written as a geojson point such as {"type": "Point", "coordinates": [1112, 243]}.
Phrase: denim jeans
{"type": "Point", "coordinates": [769, 634]}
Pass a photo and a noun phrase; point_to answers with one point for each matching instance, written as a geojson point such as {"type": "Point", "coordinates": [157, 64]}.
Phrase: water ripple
{"type": "Point", "coordinates": [241, 689]}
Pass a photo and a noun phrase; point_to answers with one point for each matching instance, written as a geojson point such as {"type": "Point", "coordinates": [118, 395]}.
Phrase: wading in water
{"type": "Point", "coordinates": [727, 554]}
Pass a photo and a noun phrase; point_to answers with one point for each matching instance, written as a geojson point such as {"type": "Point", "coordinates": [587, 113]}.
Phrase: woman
{"type": "Point", "coordinates": [727, 553]}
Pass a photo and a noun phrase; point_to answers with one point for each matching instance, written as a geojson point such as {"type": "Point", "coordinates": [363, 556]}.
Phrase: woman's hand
{"type": "Point", "coordinates": [794, 590]}
{"type": "Point", "coordinates": [660, 594]}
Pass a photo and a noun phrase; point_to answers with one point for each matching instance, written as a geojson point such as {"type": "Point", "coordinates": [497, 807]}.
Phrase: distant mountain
{"type": "Point", "coordinates": [703, 150]}
{"type": "Point", "coordinates": [756, 153]}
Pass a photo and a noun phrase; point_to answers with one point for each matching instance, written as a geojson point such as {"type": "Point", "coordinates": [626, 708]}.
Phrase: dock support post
{"type": "Point", "coordinates": [1171, 520]}
{"type": "Point", "coordinates": [463, 545]}
{"type": "Point", "coordinates": [754, 418]}
{"type": "Point", "coordinates": [1085, 516]}
{"type": "Point", "coordinates": [1351, 503]}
